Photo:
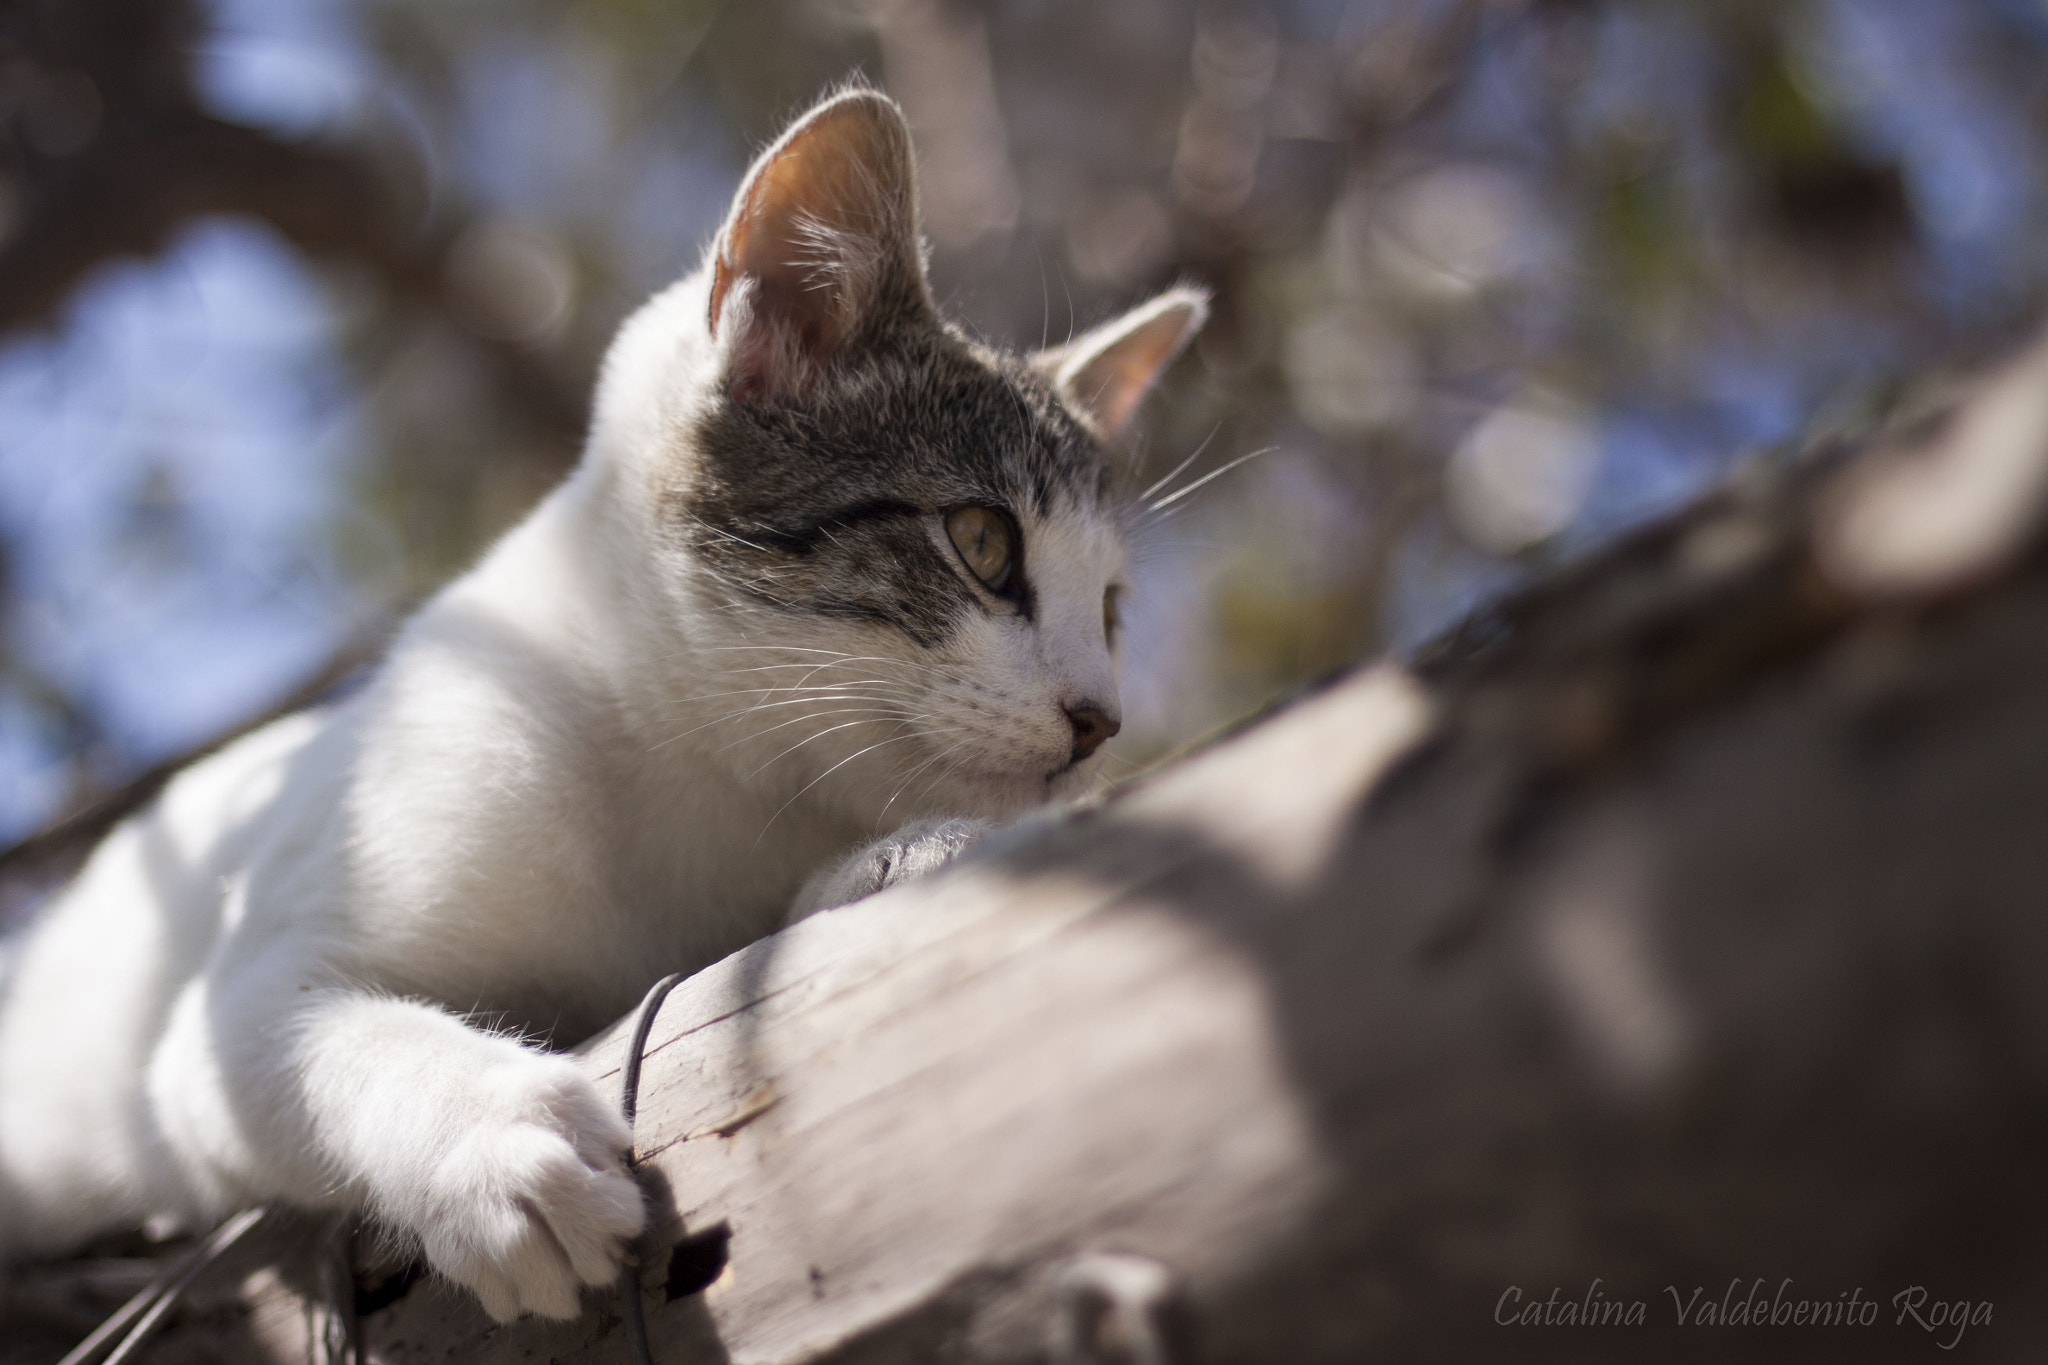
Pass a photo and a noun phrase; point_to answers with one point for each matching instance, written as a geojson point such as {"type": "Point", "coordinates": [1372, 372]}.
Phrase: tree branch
{"type": "Point", "coordinates": [1679, 933]}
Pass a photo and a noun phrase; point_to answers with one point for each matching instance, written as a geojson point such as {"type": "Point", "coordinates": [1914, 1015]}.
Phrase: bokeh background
{"type": "Point", "coordinates": [301, 300]}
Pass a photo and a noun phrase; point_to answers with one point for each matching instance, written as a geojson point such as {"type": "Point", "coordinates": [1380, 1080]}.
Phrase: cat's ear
{"type": "Point", "coordinates": [1106, 372]}
{"type": "Point", "coordinates": [821, 243]}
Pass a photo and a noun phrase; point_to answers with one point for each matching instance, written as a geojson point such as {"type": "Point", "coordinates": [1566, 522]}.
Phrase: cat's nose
{"type": "Point", "coordinates": [1092, 726]}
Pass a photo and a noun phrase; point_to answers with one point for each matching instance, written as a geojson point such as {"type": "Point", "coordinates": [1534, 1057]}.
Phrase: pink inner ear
{"type": "Point", "coordinates": [1112, 382]}
{"type": "Point", "coordinates": [824, 215]}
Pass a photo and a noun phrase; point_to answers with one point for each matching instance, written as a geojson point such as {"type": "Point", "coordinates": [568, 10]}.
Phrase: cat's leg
{"type": "Point", "coordinates": [913, 851]}
{"type": "Point", "coordinates": [505, 1162]}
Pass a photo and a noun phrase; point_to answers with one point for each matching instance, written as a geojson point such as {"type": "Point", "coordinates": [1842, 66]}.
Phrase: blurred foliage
{"type": "Point", "coordinates": [1495, 277]}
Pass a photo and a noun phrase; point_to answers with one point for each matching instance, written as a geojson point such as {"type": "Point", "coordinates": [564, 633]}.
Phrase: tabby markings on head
{"type": "Point", "coordinates": [825, 505]}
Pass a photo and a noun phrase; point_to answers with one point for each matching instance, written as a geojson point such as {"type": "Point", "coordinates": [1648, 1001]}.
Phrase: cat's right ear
{"type": "Point", "coordinates": [820, 247]}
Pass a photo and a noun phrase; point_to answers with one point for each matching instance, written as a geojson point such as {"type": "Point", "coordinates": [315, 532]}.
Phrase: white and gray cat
{"type": "Point", "coordinates": [827, 569]}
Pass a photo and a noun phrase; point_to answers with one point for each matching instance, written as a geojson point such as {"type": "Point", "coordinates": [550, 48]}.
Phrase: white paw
{"type": "Point", "coordinates": [913, 851]}
{"type": "Point", "coordinates": [532, 1200]}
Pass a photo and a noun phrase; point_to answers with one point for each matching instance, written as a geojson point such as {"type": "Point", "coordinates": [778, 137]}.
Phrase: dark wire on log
{"type": "Point", "coordinates": [630, 1306]}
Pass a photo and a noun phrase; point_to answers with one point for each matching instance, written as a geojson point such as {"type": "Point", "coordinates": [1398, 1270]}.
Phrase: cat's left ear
{"type": "Point", "coordinates": [820, 248]}
{"type": "Point", "coordinates": [1107, 371]}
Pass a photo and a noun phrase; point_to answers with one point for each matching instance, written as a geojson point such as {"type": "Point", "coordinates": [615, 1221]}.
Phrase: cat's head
{"type": "Point", "coordinates": [890, 557]}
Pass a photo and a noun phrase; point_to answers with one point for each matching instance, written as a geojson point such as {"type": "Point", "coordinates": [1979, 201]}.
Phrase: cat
{"type": "Point", "coordinates": [827, 570]}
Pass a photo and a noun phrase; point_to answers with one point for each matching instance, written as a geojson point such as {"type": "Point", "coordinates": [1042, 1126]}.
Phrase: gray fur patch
{"type": "Point", "coordinates": [822, 504]}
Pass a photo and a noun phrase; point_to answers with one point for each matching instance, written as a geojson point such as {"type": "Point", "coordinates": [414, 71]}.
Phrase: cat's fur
{"type": "Point", "coordinates": [734, 644]}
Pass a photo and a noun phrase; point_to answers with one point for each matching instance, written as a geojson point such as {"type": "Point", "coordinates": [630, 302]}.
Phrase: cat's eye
{"type": "Point", "coordinates": [985, 541]}
{"type": "Point", "coordinates": [1112, 612]}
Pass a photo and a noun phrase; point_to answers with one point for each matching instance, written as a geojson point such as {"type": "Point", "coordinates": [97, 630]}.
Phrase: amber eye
{"type": "Point", "coordinates": [982, 536]}
{"type": "Point", "coordinates": [1112, 616]}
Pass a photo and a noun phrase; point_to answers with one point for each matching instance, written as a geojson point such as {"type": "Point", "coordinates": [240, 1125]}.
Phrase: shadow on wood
{"type": "Point", "coordinates": [1662, 950]}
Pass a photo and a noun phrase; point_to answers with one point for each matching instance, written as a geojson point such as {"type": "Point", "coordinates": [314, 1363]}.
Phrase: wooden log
{"type": "Point", "coordinates": [928, 1099]}
{"type": "Point", "coordinates": [1667, 950]}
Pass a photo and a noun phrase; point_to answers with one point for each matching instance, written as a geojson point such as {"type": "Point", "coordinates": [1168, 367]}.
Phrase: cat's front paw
{"type": "Point", "coordinates": [532, 1200]}
{"type": "Point", "coordinates": [913, 851]}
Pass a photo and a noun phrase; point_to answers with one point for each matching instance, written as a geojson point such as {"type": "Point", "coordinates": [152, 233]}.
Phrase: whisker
{"type": "Point", "coordinates": [907, 777]}
{"type": "Point", "coordinates": [840, 657]}
{"type": "Point", "coordinates": [941, 776]}
{"type": "Point", "coordinates": [728, 717]}
{"type": "Point", "coordinates": [745, 711]}
{"type": "Point", "coordinates": [881, 711]}
{"type": "Point", "coordinates": [1172, 498]}
{"type": "Point", "coordinates": [828, 730]}
{"type": "Point", "coordinates": [783, 688]}
{"type": "Point", "coordinates": [821, 777]}
{"type": "Point", "coordinates": [1177, 470]}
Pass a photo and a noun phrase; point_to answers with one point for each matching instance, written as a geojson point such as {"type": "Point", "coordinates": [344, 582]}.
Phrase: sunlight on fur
{"type": "Point", "coordinates": [733, 667]}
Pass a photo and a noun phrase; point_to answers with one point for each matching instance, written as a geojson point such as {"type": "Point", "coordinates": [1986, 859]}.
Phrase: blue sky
{"type": "Point", "coordinates": [177, 452]}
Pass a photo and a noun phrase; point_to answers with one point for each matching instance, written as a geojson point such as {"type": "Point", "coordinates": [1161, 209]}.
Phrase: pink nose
{"type": "Point", "coordinates": [1092, 726]}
